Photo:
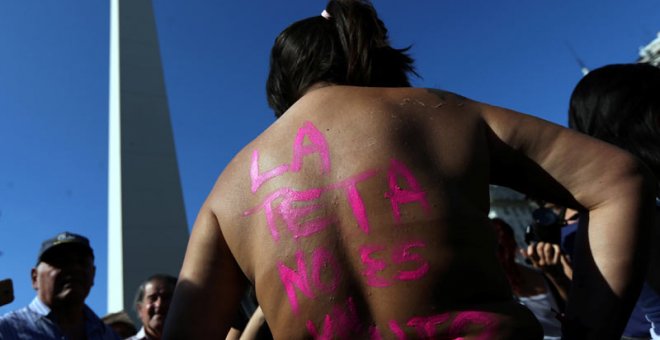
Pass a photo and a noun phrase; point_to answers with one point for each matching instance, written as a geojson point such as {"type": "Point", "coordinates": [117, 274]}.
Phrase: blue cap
{"type": "Point", "coordinates": [65, 238]}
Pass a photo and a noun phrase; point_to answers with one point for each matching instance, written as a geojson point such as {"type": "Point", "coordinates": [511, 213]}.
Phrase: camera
{"type": "Point", "coordinates": [545, 227]}
{"type": "Point", "coordinates": [6, 292]}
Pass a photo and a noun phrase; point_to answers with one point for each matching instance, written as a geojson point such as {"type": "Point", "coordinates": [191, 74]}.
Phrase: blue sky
{"type": "Point", "coordinates": [54, 90]}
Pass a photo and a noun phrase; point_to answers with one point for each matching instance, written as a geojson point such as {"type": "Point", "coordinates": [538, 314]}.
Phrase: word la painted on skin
{"type": "Point", "coordinates": [318, 145]}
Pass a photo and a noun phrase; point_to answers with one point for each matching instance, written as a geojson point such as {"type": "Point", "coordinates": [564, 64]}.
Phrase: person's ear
{"type": "Point", "coordinates": [33, 275]}
{"type": "Point", "coordinates": [93, 274]}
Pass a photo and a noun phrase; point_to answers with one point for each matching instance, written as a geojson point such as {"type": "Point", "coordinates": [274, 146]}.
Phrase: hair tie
{"type": "Point", "coordinates": [326, 15]}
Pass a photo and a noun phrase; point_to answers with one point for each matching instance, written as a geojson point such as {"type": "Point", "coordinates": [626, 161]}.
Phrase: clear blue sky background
{"type": "Point", "coordinates": [54, 90]}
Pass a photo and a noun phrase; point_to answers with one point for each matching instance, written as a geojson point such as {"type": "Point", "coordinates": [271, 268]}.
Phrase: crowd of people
{"type": "Point", "coordinates": [63, 277]}
{"type": "Point", "coordinates": [362, 212]}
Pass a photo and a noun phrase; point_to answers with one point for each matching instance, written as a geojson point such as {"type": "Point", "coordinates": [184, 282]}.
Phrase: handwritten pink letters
{"type": "Point", "coordinates": [299, 213]}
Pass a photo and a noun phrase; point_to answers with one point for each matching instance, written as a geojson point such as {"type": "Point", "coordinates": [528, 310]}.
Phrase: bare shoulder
{"type": "Point", "coordinates": [229, 185]}
{"type": "Point", "coordinates": [426, 97]}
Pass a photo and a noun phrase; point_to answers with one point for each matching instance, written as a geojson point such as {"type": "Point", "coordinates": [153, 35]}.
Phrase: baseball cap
{"type": "Point", "coordinates": [65, 239]}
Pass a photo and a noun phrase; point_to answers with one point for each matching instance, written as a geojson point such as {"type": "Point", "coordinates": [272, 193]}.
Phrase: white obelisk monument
{"type": "Point", "coordinates": [147, 228]}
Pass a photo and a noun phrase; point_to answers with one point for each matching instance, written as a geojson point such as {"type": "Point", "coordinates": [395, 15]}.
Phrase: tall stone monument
{"type": "Point", "coordinates": [147, 228]}
{"type": "Point", "coordinates": [651, 53]}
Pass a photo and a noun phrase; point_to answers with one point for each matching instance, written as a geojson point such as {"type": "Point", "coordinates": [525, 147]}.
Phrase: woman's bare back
{"type": "Point", "coordinates": [362, 213]}
{"type": "Point", "coordinates": [366, 217]}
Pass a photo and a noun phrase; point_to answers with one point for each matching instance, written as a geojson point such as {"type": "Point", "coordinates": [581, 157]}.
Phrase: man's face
{"type": "Point", "coordinates": [153, 307]}
{"type": "Point", "coordinates": [64, 276]}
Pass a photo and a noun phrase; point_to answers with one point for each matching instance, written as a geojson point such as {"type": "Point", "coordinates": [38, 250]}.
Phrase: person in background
{"type": "Point", "coordinates": [530, 287]}
{"type": "Point", "coordinates": [152, 302]}
{"type": "Point", "coordinates": [553, 263]}
{"type": "Point", "coordinates": [544, 249]}
{"type": "Point", "coordinates": [121, 323]}
{"type": "Point", "coordinates": [62, 277]}
{"type": "Point", "coordinates": [620, 104]}
{"type": "Point", "coordinates": [362, 211]}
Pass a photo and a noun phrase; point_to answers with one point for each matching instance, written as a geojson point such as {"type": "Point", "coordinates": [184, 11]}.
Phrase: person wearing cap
{"type": "Point", "coordinates": [62, 278]}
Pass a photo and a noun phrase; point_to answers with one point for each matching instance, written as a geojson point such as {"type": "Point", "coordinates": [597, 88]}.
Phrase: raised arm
{"type": "Point", "coordinates": [614, 188]}
{"type": "Point", "coordinates": [210, 285]}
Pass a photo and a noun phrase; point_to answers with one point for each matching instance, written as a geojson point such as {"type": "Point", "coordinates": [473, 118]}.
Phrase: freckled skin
{"type": "Point", "coordinates": [362, 213]}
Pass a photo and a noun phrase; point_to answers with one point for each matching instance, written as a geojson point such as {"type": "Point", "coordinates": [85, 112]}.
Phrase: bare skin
{"type": "Point", "coordinates": [382, 230]}
{"type": "Point", "coordinates": [257, 321]}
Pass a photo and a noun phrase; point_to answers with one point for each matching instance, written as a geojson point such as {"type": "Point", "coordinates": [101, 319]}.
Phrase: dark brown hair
{"type": "Point", "coordinates": [351, 47]}
{"type": "Point", "coordinates": [139, 295]}
{"type": "Point", "coordinates": [620, 104]}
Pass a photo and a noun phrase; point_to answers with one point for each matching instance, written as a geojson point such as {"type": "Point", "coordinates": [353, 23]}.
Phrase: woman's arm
{"type": "Point", "coordinates": [210, 285]}
{"type": "Point", "coordinates": [611, 186]}
{"type": "Point", "coordinates": [253, 326]}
